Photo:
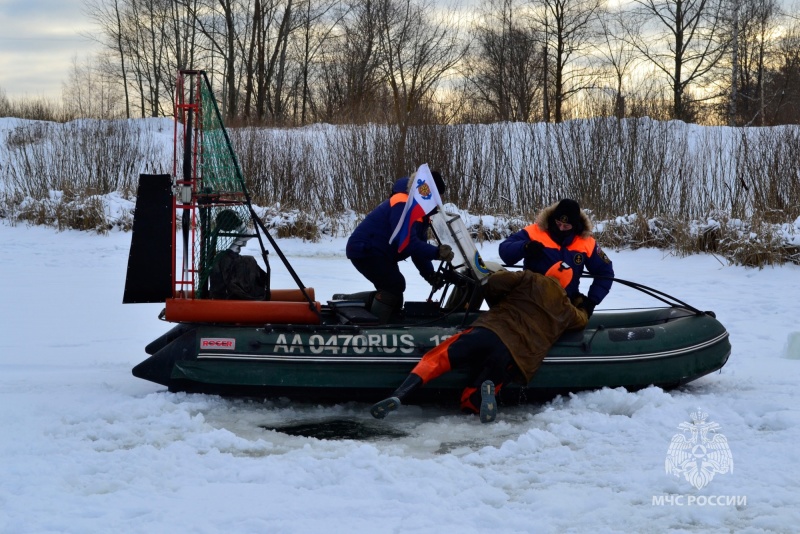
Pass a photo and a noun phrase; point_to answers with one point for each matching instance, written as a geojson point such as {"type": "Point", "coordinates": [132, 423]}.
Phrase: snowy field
{"type": "Point", "coordinates": [87, 448]}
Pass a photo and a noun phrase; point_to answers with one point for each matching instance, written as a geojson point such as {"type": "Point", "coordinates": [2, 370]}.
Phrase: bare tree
{"type": "Point", "coordinates": [316, 33]}
{"type": "Point", "coordinates": [783, 79]}
{"type": "Point", "coordinates": [89, 90]}
{"type": "Point", "coordinates": [417, 51]}
{"type": "Point", "coordinates": [568, 26]}
{"type": "Point", "coordinates": [504, 68]}
{"type": "Point", "coordinates": [266, 55]}
{"type": "Point", "coordinates": [753, 25]}
{"type": "Point", "coordinates": [351, 79]}
{"type": "Point", "coordinates": [151, 18]}
{"type": "Point", "coordinates": [223, 25]}
{"type": "Point", "coordinates": [135, 31]}
{"type": "Point", "coordinates": [183, 31]}
{"type": "Point", "coordinates": [108, 16]}
{"type": "Point", "coordinates": [276, 68]}
{"type": "Point", "coordinates": [617, 54]}
{"type": "Point", "coordinates": [683, 39]}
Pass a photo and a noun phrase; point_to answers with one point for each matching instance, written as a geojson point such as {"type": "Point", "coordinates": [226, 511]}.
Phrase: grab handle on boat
{"type": "Point", "coordinates": [587, 345]}
{"type": "Point", "coordinates": [655, 293]}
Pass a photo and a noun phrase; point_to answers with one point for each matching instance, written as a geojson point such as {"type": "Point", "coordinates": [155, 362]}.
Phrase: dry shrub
{"type": "Point", "coordinates": [751, 253]}
{"type": "Point", "coordinates": [88, 157]}
{"type": "Point", "coordinates": [792, 254]}
{"type": "Point", "coordinates": [124, 222]}
{"type": "Point", "coordinates": [291, 224]}
{"type": "Point", "coordinates": [634, 231]}
{"type": "Point", "coordinates": [707, 238]}
{"type": "Point", "coordinates": [336, 226]}
{"type": "Point", "coordinates": [82, 214]}
{"type": "Point", "coordinates": [38, 213]}
{"type": "Point", "coordinates": [25, 135]}
{"type": "Point", "coordinates": [65, 212]}
{"type": "Point", "coordinates": [9, 205]}
{"type": "Point", "coordinates": [753, 243]}
{"type": "Point", "coordinates": [303, 228]}
{"type": "Point", "coordinates": [481, 233]}
{"type": "Point", "coordinates": [501, 227]}
{"type": "Point", "coordinates": [33, 108]}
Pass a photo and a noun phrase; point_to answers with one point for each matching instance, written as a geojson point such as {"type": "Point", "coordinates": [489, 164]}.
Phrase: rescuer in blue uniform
{"type": "Point", "coordinates": [371, 253]}
{"type": "Point", "coordinates": [562, 233]}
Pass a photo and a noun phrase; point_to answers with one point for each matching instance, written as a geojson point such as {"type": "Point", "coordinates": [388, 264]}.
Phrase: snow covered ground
{"type": "Point", "coordinates": [87, 448]}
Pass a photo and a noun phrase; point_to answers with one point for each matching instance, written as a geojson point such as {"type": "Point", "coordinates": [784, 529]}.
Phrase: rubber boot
{"type": "Point", "coordinates": [380, 409]}
{"type": "Point", "coordinates": [411, 383]}
{"type": "Point", "coordinates": [384, 305]}
{"type": "Point", "coordinates": [390, 404]}
{"type": "Point", "coordinates": [488, 411]}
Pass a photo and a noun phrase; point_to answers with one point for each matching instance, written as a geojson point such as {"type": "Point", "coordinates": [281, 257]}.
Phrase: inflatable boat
{"type": "Point", "coordinates": [290, 344]}
{"type": "Point", "coordinates": [337, 359]}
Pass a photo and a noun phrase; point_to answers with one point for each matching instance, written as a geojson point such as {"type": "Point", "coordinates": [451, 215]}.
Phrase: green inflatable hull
{"type": "Point", "coordinates": [335, 362]}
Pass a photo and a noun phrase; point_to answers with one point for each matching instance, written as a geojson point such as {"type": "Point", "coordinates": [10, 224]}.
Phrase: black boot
{"type": "Point", "coordinates": [385, 304]}
{"type": "Point", "coordinates": [411, 383]}
{"type": "Point", "coordinates": [390, 404]}
{"type": "Point", "coordinates": [488, 411]}
{"type": "Point", "coordinates": [380, 409]}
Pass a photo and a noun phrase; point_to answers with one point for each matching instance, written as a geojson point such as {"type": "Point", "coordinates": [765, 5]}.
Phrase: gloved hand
{"type": "Point", "coordinates": [534, 250]}
{"type": "Point", "coordinates": [582, 302]}
{"type": "Point", "coordinates": [588, 305]}
{"type": "Point", "coordinates": [435, 279]}
{"type": "Point", "coordinates": [445, 253]}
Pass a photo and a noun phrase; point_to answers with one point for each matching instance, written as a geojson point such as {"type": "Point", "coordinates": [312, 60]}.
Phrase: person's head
{"type": "Point", "coordinates": [567, 218]}
{"type": "Point", "coordinates": [401, 185]}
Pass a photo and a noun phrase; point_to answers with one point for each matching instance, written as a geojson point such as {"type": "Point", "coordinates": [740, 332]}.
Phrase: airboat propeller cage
{"type": "Point", "coordinates": [204, 203]}
{"type": "Point", "coordinates": [451, 230]}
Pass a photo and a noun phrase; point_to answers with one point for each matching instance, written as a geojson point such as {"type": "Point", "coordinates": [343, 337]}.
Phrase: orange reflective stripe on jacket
{"type": "Point", "coordinates": [581, 244]}
{"type": "Point", "coordinates": [397, 198]}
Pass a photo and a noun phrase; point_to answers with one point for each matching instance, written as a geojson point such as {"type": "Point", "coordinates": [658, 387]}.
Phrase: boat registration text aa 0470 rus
{"type": "Point", "coordinates": [335, 343]}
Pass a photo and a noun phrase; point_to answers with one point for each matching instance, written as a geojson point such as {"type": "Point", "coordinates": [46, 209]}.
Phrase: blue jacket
{"type": "Point", "coordinates": [371, 236]}
{"type": "Point", "coordinates": [578, 251]}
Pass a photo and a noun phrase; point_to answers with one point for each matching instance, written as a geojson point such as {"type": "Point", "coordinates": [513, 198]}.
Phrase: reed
{"type": "Point", "coordinates": [733, 192]}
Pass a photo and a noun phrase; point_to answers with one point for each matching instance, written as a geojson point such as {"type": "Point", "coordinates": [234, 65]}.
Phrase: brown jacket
{"type": "Point", "coordinates": [529, 312]}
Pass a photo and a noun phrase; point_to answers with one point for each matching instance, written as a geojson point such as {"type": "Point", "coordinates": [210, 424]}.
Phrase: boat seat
{"type": "Point", "coordinates": [353, 312]}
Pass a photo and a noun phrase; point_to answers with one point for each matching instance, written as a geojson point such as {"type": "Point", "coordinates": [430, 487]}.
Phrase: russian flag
{"type": "Point", "coordinates": [422, 199]}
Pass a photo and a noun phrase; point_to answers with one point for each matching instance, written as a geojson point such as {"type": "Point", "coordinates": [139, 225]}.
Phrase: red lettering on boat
{"type": "Point", "coordinates": [218, 343]}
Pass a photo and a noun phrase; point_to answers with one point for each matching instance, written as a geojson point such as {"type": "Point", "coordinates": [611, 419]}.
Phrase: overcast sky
{"type": "Point", "coordinates": [38, 40]}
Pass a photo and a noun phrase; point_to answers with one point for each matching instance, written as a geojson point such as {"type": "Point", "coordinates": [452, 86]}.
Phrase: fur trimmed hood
{"type": "Point", "coordinates": [545, 218]}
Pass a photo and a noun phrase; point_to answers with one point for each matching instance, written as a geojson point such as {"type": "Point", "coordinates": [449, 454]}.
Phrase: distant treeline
{"type": "Point", "coordinates": [664, 184]}
{"type": "Point", "coordinates": [414, 62]}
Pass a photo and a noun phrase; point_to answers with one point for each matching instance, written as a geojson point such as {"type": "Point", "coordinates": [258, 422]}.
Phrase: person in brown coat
{"type": "Point", "coordinates": [527, 313]}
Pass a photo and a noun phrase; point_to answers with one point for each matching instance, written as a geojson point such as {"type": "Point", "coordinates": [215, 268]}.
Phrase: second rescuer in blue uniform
{"type": "Point", "coordinates": [562, 232]}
